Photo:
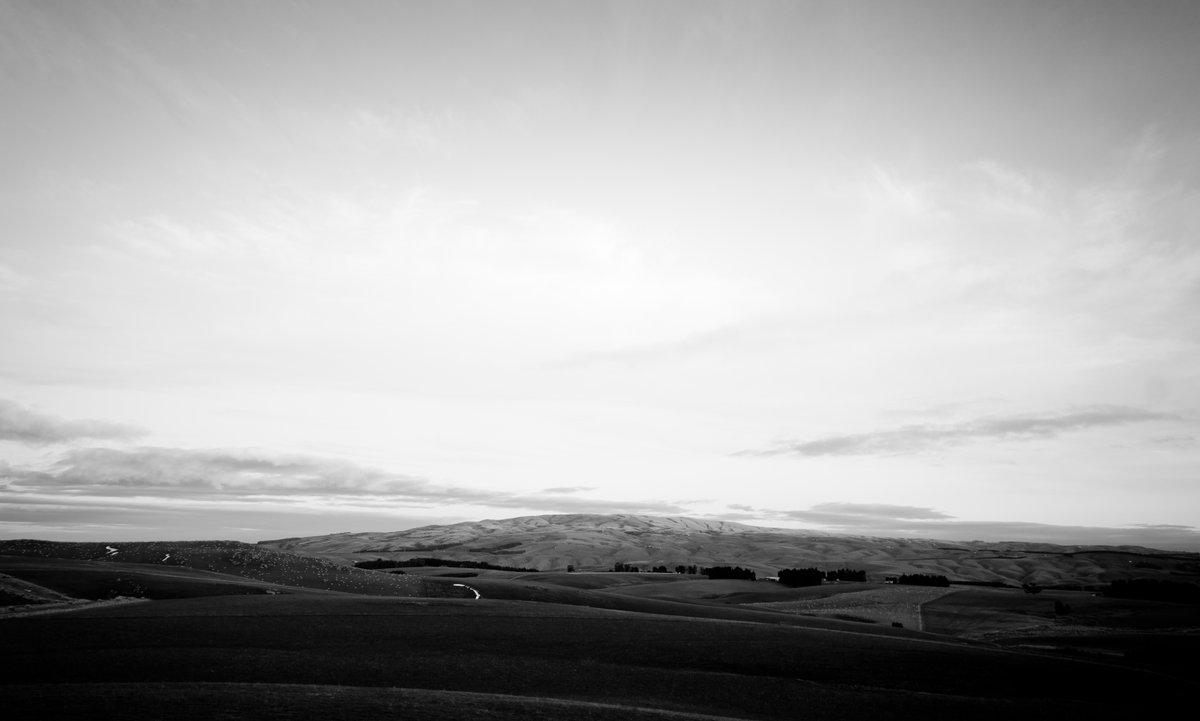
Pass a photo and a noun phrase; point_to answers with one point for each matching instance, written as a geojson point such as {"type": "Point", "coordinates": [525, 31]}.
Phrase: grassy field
{"type": "Point", "coordinates": [543, 651]}
{"type": "Point", "coordinates": [869, 603]}
{"type": "Point", "coordinates": [549, 645]}
{"type": "Point", "coordinates": [594, 543]}
{"type": "Point", "coordinates": [169, 569]}
{"type": "Point", "coordinates": [1154, 635]}
{"type": "Point", "coordinates": [294, 702]}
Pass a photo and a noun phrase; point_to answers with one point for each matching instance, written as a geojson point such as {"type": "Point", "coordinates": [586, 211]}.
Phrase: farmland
{"type": "Point", "coordinates": [537, 651]}
{"type": "Point", "coordinates": [596, 542]}
{"type": "Point", "coordinates": [229, 639]}
{"type": "Point", "coordinates": [878, 604]}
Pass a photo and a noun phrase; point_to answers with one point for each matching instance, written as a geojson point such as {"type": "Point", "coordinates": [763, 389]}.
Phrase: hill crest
{"type": "Point", "coordinates": [596, 542]}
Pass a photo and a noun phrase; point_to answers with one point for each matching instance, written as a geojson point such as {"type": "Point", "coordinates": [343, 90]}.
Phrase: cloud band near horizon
{"type": "Point", "coordinates": [895, 521]}
{"type": "Point", "coordinates": [30, 427]}
{"type": "Point", "coordinates": [924, 437]}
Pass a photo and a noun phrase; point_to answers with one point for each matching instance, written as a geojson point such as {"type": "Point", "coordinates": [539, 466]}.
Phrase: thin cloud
{"type": "Point", "coordinates": [922, 437]}
{"type": "Point", "coordinates": [879, 510]}
{"type": "Point", "coordinates": [233, 472]}
{"type": "Point", "coordinates": [912, 522]}
{"type": "Point", "coordinates": [1174, 441]}
{"type": "Point", "coordinates": [172, 475]}
{"type": "Point", "coordinates": [852, 517]}
{"type": "Point", "coordinates": [24, 425]}
{"type": "Point", "coordinates": [574, 504]}
{"type": "Point", "coordinates": [659, 352]}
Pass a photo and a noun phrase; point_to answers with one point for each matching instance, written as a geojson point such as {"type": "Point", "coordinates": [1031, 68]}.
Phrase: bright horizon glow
{"type": "Point", "coordinates": [925, 270]}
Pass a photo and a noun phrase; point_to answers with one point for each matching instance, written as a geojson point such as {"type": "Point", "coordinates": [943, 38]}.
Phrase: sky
{"type": "Point", "coordinates": [923, 269]}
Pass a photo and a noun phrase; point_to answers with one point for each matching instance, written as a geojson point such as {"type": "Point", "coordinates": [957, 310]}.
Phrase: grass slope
{"type": "Point", "coordinates": [17, 592]}
{"type": "Point", "coordinates": [533, 653]}
{"type": "Point", "coordinates": [287, 702]}
{"type": "Point", "coordinates": [596, 542]}
{"type": "Point", "coordinates": [146, 565]}
{"type": "Point", "coordinates": [1151, 635]}
{"type": "Point", "coordinates": [90, 580]}
{"type": "Point", "coordinates": [1147, 634]}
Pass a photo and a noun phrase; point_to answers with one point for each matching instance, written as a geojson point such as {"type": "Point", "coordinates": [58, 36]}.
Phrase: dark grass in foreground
{"type": "Point", "coordinates": [236, 649]}
{"type": "Point", "coordinates": [157, 560]}
{"type": "Point", "coordinates": [227, 640]}
{"type": "Point", "coordinates": [290, 702]}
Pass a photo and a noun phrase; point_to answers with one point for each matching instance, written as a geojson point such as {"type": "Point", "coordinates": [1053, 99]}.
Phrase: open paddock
{"type": "Point", "coordinates": [886, 604]}
{"type": "Point", "coordinates": [533, 654]}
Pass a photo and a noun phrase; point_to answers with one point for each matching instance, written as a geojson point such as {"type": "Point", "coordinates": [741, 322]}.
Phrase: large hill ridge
{"type": "Point", "coordinates": [596, 542]}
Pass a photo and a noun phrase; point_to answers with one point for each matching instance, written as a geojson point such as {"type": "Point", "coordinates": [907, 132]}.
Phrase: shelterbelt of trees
{"type": "Point", "coordinates": [382, 564]}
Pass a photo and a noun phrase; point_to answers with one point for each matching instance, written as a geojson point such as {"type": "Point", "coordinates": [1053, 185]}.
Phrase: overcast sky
{"type": "Point", "coordinates": [924, 268]}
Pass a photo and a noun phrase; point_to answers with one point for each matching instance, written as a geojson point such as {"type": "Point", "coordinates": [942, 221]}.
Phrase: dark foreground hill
{"type": "Point", "coordinates": [597, 542]}
{"type": "Point", "coordinates": [340, 656]}
{"type": "Point", "coordinates": [231, 630]}
{"type": "Point", "coordinates": [167, 569]}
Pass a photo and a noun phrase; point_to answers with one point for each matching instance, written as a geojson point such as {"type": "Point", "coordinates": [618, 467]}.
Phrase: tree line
{"type": "Point", "coordinates": [787, 576]}
{"type": "Point", "coordinates": [713, 573]}
{"type": "Point", "coordinates": [729, 572]}
{"type": "Point", "coordinates": [1149, 589]}
{"type": "Point", "coordinates": [798, 577]}
{"type": "Point", "coordinates": [381, 563]}
{"type": "Point", "coordinates": [923, 579]}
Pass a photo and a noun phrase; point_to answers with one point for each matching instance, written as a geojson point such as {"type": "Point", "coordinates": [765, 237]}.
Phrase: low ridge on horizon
{"type": "Point", "coordinates": [584, 520]}
{"type": "Point", "coordinates": [644, 519]}
{"type": "Point", "coordinates": [600, 542]}
{"type": "Point", "coordinates": [682, 522]}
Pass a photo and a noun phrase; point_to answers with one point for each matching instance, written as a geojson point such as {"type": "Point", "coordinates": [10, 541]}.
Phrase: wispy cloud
{"type": "Point", "coordinates": [222, 470]}
{"type": "Point", "coordinates": [890, 521]}
{"type": "Point", "coordinates": [25, 425]}
{"type": "Point", "coordinates": [923, 437]}
{"type": "Point", "coordinates": [846, 517]}
{"type": "Point", "coordinates": [172, 475]}
{"type": "Point", "coordinates": [877, 510]}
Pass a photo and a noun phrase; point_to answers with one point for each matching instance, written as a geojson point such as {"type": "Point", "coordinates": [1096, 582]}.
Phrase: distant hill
{"type": "Point", "coordinates": [593, 542]}
{"type": "Point", "coordinates": [151, 561]}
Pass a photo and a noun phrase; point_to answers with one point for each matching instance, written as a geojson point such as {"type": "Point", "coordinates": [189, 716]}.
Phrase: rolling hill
{"type": "Point", "coordinates": [591, 542]}
{"type": "Point", "coordinates": [282, 632]}
{"type": "Point", "coordinates": [167, 569]}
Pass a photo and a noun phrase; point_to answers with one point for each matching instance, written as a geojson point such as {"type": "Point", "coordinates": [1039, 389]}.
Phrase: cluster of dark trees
{"type": "Point", "coordinates": [734, 572]}
{"type": "Point", "coordinates": [622, 567]}
{"type": "Point", "coordinates": [815, 576]}
{"type": "Point", "coordinates": [127, 588]}
{"type": "Point", "coordinates": [1149, 589]}
{"type": "Point", "coordinates": [380, 563]}
{"type": "Point", "coordinates": [923, 579]}
{"type": "Point", "coordinates": [801, 577]}
{"type": "Point", "coordinates": [845, 574]}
